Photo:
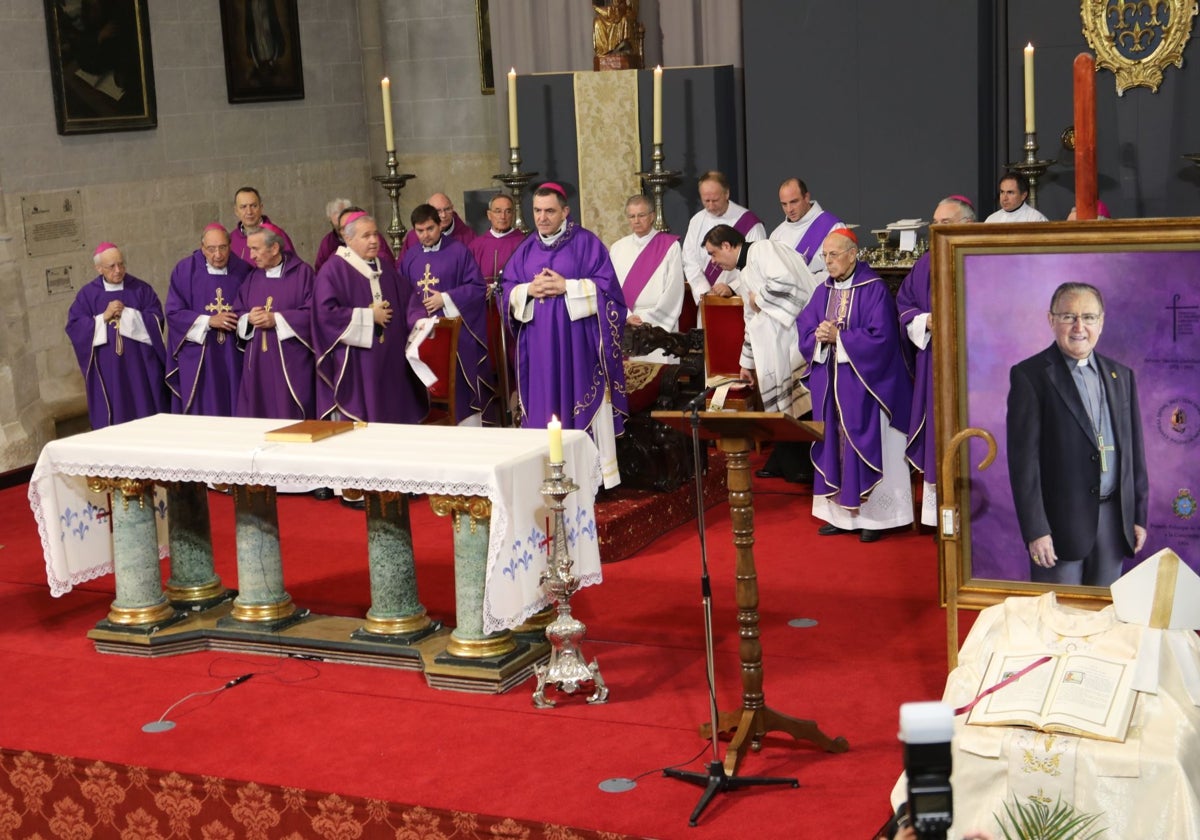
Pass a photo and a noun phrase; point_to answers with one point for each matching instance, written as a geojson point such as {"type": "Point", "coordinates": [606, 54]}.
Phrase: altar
{"type": "Point", "coordinates": [486, 481]}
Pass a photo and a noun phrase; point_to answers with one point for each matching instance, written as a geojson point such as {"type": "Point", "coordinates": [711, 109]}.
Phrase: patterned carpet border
{"type": "Point", "coordinates": [43, 796]}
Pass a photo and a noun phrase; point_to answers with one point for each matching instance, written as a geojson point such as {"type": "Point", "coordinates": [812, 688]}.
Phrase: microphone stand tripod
{"type": "Point", "coordinates": [715, 780]}
{"type": "Point", "coordinates": [496, 293]}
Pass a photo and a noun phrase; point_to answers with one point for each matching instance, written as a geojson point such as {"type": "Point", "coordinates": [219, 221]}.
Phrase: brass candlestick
{"type": "Point", "coordinates": [1031, 167]}
{"type": "Point", "coordinates": [658, 179]}
{"type": "Point", "coordinates": [394, 182]}
{"type": "Point", "coordinates": [567, 668]}
{"type": "Point", "coordinates": [516, 181]}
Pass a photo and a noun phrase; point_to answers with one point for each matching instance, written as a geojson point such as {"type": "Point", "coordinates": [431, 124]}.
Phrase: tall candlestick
{"type": "Point", "coordinates": [1084, 71]}
{"type": "Point", "coordinates": [389, 139]}
{"type": "Point", "coordinates": [657, 105]}
{"type": "Point", "coordinates": [556, 449]}
{"type": "Point", "coordinates": [513, 142]}
{"type": "Point", "coordinates": [1029, 89]}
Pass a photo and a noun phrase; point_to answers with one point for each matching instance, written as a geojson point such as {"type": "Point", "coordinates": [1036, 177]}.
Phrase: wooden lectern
{"type": "Point", "coordinates": [736, 432]}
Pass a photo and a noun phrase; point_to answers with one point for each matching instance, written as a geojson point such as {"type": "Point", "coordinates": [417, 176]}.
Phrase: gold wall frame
{"type": "Point", "coordinates": [991, 287]}
{"type": "Point", "coordinates": [1137, 39]}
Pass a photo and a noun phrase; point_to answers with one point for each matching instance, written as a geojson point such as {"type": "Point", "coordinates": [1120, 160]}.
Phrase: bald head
{"type": "Point", "coordinates": [444, 207]}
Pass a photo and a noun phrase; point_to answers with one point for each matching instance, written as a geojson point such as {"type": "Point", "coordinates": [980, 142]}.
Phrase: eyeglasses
{"type": "Point", "coordinates": [1089, 319]}
{"type": "Point", "coordinates": [828, 255]}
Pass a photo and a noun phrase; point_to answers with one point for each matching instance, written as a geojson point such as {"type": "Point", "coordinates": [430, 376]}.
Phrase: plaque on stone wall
{"type": "Point", "coordinates": [53, 222]}
{"type": "Point", "coordinates": [60, 279]}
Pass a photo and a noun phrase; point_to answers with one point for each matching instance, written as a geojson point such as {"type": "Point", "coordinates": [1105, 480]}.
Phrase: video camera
{"type": "Point", "coordinates": [926, 729]}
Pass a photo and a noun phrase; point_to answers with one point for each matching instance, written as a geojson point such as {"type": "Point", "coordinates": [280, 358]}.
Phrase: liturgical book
{"type": "Point", "coordinates": [1078, 693]}
{"type": "Point", "coordinates": [307, 431]}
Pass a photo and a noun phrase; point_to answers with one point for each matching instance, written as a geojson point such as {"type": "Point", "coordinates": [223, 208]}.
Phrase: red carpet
{"type": "Point", "coordinates": [379, 734]}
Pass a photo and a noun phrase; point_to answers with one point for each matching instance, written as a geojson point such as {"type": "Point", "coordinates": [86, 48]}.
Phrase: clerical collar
{"type": "Point", "coordinates": [642, 240]}
{"type": "Point", "coordinates": [742, 256]}
{"type": "Point", "coordinates": [554, 237]}
{"type": "Point", "coordinates": [1072, 362]}
{"type": "Point", "coordinates": [437, 246]}
{"type": "Point", "coordinates": [843, 284]}
{"type": "Point", "coordinates": [112, 287]}
{"type": "Point", "coordinates": [275, 270]}
{"type": "Point", "coordinates": [1018, 210]}
{"type": "Point", "coordinates": [212, 270]}
{"type": "Point", "coordinates": [500, 235]}
{"type": "Point", "coordinates": [450, 230]}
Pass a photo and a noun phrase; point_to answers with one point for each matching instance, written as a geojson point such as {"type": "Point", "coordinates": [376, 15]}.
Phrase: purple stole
{"type": "Point", "coordinates": [712, 271]}
{"type": "Point", "coordinates": [815, 235]}
{"type": "Point", "coordinates": [645, 265]}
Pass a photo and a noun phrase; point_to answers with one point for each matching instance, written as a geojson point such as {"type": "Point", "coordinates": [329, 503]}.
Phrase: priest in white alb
{"type": "Point", "coordinates": [649, 266]}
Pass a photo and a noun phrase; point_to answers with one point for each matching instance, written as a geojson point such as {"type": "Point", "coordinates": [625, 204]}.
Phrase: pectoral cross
{"type": "Point", "coordinates": [120, 342]}
{"type": "Point", "coordinates": [1104, 450]}
{"type": "Point", "coordinates": [216, 308]}
{"type": "Point", "coordinates": [427, 282]}
{"type": "Point", "coordinates": [266, 308]}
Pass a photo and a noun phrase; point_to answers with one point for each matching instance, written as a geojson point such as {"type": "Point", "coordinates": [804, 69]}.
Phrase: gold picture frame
{"type": "Point", "coordinates": [991, 288]}
{"type": "Point", "coordinates": [1132, 40]}
{"type": "Point", "coordinates": [483, 31]}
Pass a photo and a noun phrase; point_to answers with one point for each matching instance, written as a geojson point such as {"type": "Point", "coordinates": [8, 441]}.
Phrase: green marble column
{"type": "Point", "coordinates": [193, 581]}
{"type": "Point", "coordinates": [471, 520]}
{"type": "Point", "coordinates": [396, 611]}
{"type": "Point", "coordinates": [261, 597]}
{"type": "Point", "coordinates": [140, 601]}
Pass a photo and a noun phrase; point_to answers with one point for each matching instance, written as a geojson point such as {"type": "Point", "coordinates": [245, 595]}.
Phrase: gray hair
{"type": "Point", "coordinates": [966, 210]}
{"type": "Point", "coordinates": [336, 205]}
{"type": "Point", "coordinates": [349, 229]}
{"type": "Point", "coordinates": [641, 199]}
{"type": "Point", "coordinates": [1075, 288]}
{"type": "Point", "coordinates": [96, 257]}
{"type": "Point", "coordinates": [270, 238]}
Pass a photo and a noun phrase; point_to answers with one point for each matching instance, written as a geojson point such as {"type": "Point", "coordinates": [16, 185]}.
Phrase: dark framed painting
{"type": "Point", "coordinates": [101, 66]}
{"type": "Point", "coordinates": [992, 286]}
{"type": "Point", "coordinates": [483, 31]}
{"type": "Point", "coordinates": [262, 50]}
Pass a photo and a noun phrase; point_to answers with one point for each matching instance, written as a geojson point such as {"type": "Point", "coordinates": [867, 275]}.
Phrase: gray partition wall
{"type": "Point", "coordinates": [699, 132]}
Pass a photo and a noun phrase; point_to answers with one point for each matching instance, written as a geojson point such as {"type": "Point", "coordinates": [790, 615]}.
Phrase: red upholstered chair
{"type": "Point", "coordinates": [724, 332]}
{"type": "Point", "coordinates": [440, 352]}
{"type": "Point", "coordinates": [687, 315]}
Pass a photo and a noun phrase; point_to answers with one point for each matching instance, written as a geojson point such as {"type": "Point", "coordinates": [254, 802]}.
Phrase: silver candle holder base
{"type": "Point", "coordinates": [658, 179]}
{"type": "Point", "coordinates": [567, 668]}
{"type": "Point", "coordinates": [516, 181]}
{"type": "Point", "coordinates": [394, 182]}
{"type": "Point", "coordinates": [1031, 167]}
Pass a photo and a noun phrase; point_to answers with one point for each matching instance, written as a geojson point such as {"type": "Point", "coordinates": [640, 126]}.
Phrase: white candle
{"type": "Point", "coordinates": [512, 109]}
{"type": "Point", "coordinates": [389, 139]}
{"type": "Point", "coordinates": [556, 450]}
{"type": "Point", "coordinates": [658, 104]}
{"type": "Point", "coordinates": [1029, 88]}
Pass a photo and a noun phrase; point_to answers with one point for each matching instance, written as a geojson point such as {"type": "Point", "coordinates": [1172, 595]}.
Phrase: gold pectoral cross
{"type": "Point", "coordinates": [266, 308]}
{"type": "Point", "coordinates": [217, 307]}
{"type": "Point", "coordinates": [427, 282]}
{"type": "Point", "coordinates": [1104, 450]}
{"type": "Point", "coordinates": [119, 344]}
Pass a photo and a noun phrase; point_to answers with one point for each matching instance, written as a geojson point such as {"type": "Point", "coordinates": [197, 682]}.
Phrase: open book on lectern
{"type": "Point", "coordinates": [1078, 693]}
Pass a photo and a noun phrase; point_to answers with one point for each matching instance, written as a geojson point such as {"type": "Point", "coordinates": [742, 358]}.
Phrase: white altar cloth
{"type": "Point", "coordinates": [504, 465]}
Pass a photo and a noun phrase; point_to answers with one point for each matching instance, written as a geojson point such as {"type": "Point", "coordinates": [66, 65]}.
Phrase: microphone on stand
{"type": "Point", "coordinates": [699, 399]}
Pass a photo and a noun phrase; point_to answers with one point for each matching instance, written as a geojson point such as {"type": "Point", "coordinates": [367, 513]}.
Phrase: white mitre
{"type": "Point", "coordinates": [1163, 594]}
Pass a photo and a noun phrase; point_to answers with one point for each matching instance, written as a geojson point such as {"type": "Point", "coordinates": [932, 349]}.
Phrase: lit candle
{"type": "Point", "coordinates": [388, 138]}
{"type": "Point", "coordinates": [556, 450]}
{"type": "Point", "coordinates": [1029, 88]}
{"type": "Point", "coordinates": [512, 108]}
{"type": "Point", "coordinates": [658, 105]}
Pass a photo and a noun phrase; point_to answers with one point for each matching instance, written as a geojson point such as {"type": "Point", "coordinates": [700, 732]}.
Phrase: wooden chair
{"type": "Point", "coordinates": [440, 352]}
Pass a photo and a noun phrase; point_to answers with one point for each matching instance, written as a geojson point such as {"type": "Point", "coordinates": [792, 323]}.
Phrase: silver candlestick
{"type": "Point", "coordinates": [516, 181]}
{"type": "Point", "coordinates": [658, 179]}
{"type": "Point", "coordinates": [567, 668]}
{"type": "Point", "coordinates": [394, 182]}
{"type": "Point", "coordinates": [1031, 167]}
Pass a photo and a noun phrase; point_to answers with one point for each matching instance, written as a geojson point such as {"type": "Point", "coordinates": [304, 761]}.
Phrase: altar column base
{"type": "Point", "coordinates": [262, 600]}
{"type": "Point", "coordinates": [471, 517]}
{"type": "Point", "coordinates": [194, 583]}
{"type": "Point", "coordinates": [396, 613]}
{"type": "Point", "coordinates": [140, 604]}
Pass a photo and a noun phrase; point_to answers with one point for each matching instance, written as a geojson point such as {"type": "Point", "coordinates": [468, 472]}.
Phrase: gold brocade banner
{"type": "Point", "coordinates": [610, 153]}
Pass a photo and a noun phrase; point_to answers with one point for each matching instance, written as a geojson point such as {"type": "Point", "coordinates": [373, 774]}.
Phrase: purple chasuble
{"type": "Point", "coordinates": [913, 299]}
{"type": "Point", "coordinates": [331, 242]}
{"type": "Point", "coordinates": [848, 398]}
{"type": "Point", "coordinates": [458, 232]}
{"type": "Point", "coordinates": [564, 367]}
{"type": "Point", "coordinates": [712, 271]}
{"type": "Point", "coordinates": [645, 265]}
{"type": "Point", "coordinates": [372, 384]}
{"type": "Point", "coordinates": [452, 270]}
{"type": "Point", "coordinates": [239, 248]}
{"type": "Point", "coordinates": [203, 378]}
{"type": "Point", "coordinates": [279, 381]}
{"type": "Point", "coordinates": [492, 253]}
{"type": "Point", "coordinates": [818, 229]}
{"type": "Point", "coordinates": [124, 379]}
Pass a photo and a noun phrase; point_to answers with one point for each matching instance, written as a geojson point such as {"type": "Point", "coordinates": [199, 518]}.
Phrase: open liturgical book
{"type": "Point", "coordinates": [1078, 693]}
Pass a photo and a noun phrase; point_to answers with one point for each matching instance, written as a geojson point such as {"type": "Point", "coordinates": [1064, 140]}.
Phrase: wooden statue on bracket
{"type": "Point", "coordinates": [1136, 41]}
{"type": "Point", "coordinates": [617, 35]}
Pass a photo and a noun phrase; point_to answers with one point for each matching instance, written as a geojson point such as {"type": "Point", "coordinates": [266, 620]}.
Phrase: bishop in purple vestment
{"type": "Point", "coordinates": [337, 210]}
{"type": "Point", "coordinates": [568, 313]}
{"type": "Point", "coordinates": [278, 377]}
{"type": "Point", "coordinates": [248, 206]}
{"type": "Point", "coordinates": [862, 392]}
{"type": "Point", "coordinates": [445, 281]}
{"type": "Point", "coordinates": [452, 226]}
{"type": "Point", "coordinates": [116, 328]}
{"type": "Point", "coordinates": [359, 334]}
{"type": "Point", "coordinates": [206, 361]}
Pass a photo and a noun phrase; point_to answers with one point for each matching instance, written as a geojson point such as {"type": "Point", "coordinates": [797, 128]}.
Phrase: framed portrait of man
{"type": "Point", "coordinates": [992, 290]}
{"type": "Point", "coordinates": [261, 39]}
{"type": "Point", "coordinates": [100, 65]}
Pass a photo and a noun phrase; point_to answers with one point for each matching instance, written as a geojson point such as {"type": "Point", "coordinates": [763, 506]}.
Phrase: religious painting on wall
{"type": "Point", "coordinates": [992, 288]}
{"type": "Point", "coordinates": [483, 28]}
{"type": "Point", "coordinates": [100, 65]}
{"type": "Point", "coordinates": [262, 50]}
